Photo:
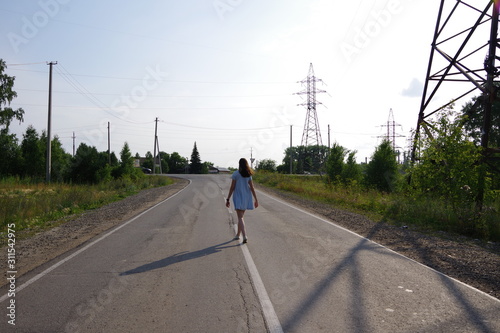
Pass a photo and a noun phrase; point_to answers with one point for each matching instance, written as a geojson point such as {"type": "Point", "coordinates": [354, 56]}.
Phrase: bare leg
{"type": "Point", "coordinates": [241, 223]}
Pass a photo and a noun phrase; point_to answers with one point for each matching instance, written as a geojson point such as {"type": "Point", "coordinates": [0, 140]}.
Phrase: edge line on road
{"type": "Point", "coordinates": [385, 247]}
{"type": "Point", "coordinates": [270, 316]}
{"type": "Point", "coordinates": [59, 263]}
{"type": "Point", "coordinates": [273, 323]}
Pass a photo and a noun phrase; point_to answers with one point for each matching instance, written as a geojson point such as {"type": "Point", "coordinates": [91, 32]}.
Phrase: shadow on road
{"type": "Point", "coordinates": [359, 318]}
{"type": "Point", "coordinates": [179, 257]}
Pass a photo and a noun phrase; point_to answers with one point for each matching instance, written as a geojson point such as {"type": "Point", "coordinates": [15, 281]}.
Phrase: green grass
{"type": "Point", "coordinates": [35, 206]}
{"type": "Point", "coordinates": [424, 213]}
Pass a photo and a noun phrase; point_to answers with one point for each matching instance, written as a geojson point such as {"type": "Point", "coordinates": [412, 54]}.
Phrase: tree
{"type": "Point", "coordinates": [195, 166]}
{"type": "Point", "coordinates": [335, 162]}
{"type": "Point", "coordinates": [472, 117]}
{"type": "Point", "coordinates": [126, 159]}
{"type": "Point", "coordinates": [60, 159]}
{"type": "Point", "coordinates": [305, 159]}
{"type": "Point", "coordinates": [176, 163]}
{"type": "Point", "coordinates": [7, 94]}
{"type": "Point", "coordinates": [448, 163]}
{"type": "Point", "coordinates": [10, 162]}
{"type": "Point", "coordinates": [382, 170]}
{"type": "Point", "coordinates": [351, 172]}
{"type": "Point", "coordinates": [164, 161]}
{"type": "Point", "coordinates": [148, 163]}
{"type": "Point", "coordinates": [285, 167]}
{"type": "Point", "coordinates": [33, 154]}
{"type": "Point", "coordinates": [85, 165]}
{"type": "Point", "coordinates": [267, 165]}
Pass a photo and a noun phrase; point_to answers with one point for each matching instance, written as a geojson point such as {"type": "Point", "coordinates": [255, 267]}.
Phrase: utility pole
{"type": "Point", "coordinates": [48, 160]}
{"type": "Point", "coordinates": [328, 136]}
{"type": "Point", "coordinates": [291, 157]}
{"type": "Point", "coordinates": [109, 145]}
{"type": "Point", "coordinates": [156, 141]}
{"type": "Point", "coordinates": [73, 137]}
{"type": "Point", "coordinates": [159, 154]}
{"type": "Point", "coordinates": [251, 157]}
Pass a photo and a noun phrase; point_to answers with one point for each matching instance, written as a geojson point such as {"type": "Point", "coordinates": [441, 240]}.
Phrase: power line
{"type": "Point", "coordinates": [166, 81]}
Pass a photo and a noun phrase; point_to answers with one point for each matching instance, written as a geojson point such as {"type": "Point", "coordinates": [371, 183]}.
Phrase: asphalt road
{"type": "Point", "coordinates": [175, 268]}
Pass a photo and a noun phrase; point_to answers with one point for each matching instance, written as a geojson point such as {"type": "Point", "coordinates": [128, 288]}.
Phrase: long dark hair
{"type": "Point", "coordinates": [244, 168]}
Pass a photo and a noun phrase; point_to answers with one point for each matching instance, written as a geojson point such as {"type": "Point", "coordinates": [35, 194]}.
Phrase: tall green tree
{"type": "Point", "coordinates": [335, 162]}
{"type": "Point", "coordinates": [176, 163]}
{"type": "Point", "coordinates": [60, 159]}
{"type": "Point", "coordinates": [126, 160]}
{"type": "Point", "coordinates": [85, 165]}
{"type": "Point", "coordinates": [7, 94]}
{"type": "Point", "coordinates": [148, 163]}
{"type": "Point", "coordinates": [10, 153]}
{"type": "Point", "coordinates": [382, 170]}
{"type": "Point", "coordinates": [473, 118]}
{"type": "Point", "coordinates": [195, 166]}
{"type": "Point", "coordinates": [33, 154]}
{"type": "Point", "coordinates": [351, 172]}
{"type": "Point", "coordinates": [448, 165]}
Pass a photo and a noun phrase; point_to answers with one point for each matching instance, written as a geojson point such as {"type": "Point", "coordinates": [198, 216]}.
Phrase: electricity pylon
{"type": "Point", "coordinates": [312, 133]}
{"type": "Point", "coordinates": [462, 54]}
{"type": "Point", "coordinates": [391, 131]}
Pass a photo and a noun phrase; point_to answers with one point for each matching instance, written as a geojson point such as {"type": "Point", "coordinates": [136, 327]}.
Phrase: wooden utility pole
{"type": "Point", "coordinates": [154, 150]}
{"type": "Point", "coordinates": [109, 146]}
{"type": "Point", "coordinates": [73, 137]}
{"type": "Point", "coordinates": [48, 159]}
{"type": "Point", "coordinates": [291, 155]}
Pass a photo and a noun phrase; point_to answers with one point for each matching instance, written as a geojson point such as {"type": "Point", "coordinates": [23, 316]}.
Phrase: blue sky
{"type": "Point", "coordinates": [222, 73]}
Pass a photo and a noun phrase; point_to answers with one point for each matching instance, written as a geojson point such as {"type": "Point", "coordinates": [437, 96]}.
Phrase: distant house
{"type": "Point", "coordinates": [224, 170]}
{"type": "Point", "coordinates": [212, 169]}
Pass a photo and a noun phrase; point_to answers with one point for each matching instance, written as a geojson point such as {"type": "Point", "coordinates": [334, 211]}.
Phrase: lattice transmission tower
{"type": "Point", "coordinates": [311, 135]}
{"type": "Point", "coordinates": [463, 57]}
{"type": "Point", "coordinates": [391, 134]}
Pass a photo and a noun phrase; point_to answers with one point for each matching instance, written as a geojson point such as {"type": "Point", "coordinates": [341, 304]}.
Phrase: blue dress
{"type": "Point", "coordinates": [242, 196]}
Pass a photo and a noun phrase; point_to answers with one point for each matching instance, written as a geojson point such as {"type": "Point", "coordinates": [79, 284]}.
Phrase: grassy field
{"type": "Point", "coordinates": [30, 206]}
{"type": "Point", "coordinates": [430, 214]}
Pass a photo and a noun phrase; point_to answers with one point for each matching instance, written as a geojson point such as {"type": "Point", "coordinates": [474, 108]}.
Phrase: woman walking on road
{"type": "Point", "coordinates": [242, 190]}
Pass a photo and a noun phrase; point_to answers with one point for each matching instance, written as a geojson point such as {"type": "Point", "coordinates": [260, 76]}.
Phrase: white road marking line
{"type": "Point", "coordinates": [51, 268]}
{"type": "Point", "coordinates": [399, 254]}
{"type": "Point", "coordinates": [273, 323]}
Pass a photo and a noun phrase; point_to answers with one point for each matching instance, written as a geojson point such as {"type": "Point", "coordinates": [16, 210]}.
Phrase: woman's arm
{"type": "Point", "coordinates": [231, 190]}
{"type": "Point", "coordinates": [256, 204]}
